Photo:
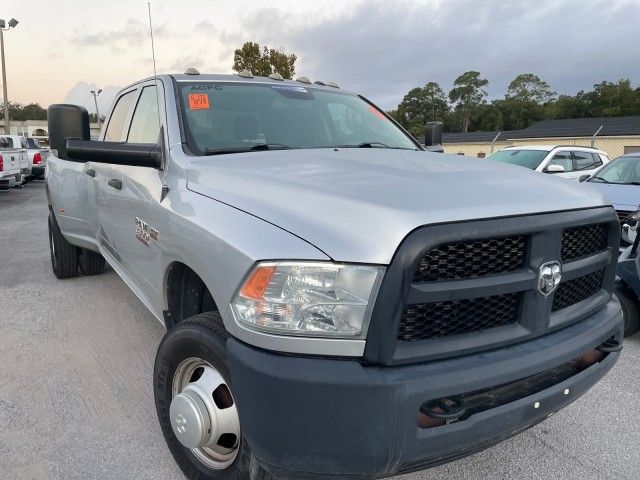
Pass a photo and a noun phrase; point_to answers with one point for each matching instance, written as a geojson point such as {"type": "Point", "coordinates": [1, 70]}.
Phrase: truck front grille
{"type": "Point", "coordinates": [473, 286]}
{"type": "Point", "coordinates": [576, 290]}
{"type": "Point", "coordinates": [583, 241]}
{"type": "Point", "coordinates": [455, 317]}
{"type": "Point", "coordinates": [472, 259]}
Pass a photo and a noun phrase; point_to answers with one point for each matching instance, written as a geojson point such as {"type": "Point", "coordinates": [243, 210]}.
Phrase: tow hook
{"type": "Point", "coordinates": [610, 345]}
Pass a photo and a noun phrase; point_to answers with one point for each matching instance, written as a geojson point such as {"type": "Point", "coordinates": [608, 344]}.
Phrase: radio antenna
{"type": "Point", "coordinates": [165, 188]}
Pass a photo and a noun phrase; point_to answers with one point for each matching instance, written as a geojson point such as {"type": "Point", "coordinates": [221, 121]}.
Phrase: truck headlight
{"type": "Point", "coordinates": [316, 299]}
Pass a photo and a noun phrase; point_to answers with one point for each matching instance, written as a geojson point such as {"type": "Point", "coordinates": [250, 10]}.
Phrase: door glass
{"type": "Point", "coordinates": [118, 117]}
{"type": "Point", "coordinates": [563, 159]}
{"type": "Point", "coordinates": [145, 127]}
{"type": "Point", "coordinates": [584, 160]}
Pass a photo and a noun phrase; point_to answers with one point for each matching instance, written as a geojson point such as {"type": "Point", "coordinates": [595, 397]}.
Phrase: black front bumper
{"type": "Point", "coordinates": [307, 417]}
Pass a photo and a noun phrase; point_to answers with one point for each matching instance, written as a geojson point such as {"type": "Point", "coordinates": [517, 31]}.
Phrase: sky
{"type": "Point", "coordinates": [380, 48]}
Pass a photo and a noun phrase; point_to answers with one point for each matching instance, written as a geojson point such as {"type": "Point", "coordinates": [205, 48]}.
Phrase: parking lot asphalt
{"type": "Point", "coordinates": [76, 399]}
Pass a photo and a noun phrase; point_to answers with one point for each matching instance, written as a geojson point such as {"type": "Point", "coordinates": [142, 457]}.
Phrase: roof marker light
{"type": "Point", "coordinates": [332, 84]}
{"type": "Point", "coordinates": [191, 71]}
{"type": "Point", "coordinates": [276, 76]}
{"type": "Point", "coordinates": [318, 82]}
{"type": "Point", "coordinates": [303, 80]}
{"type": "Point", "coordinates": [245, 74]}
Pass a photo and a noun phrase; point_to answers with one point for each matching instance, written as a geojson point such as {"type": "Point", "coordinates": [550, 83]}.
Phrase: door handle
{"type": "Point", "coordinates": [91, 172]}
{"type": "Point", "coordinates": [115, 183]}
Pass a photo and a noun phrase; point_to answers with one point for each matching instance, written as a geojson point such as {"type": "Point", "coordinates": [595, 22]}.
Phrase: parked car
{"type": "Point", "coordinates": [37, 157]}
{"type": "Point", "coordinates": [619, 181]}
{"type": "Point", "coordinates": [627, 286]}
{"type": "Point", "coordinates": [9, 165]}
{"type": "Point", "coordinates": [338, 302]}
{"type": "Point", "coordinates": [19, 143]}
{"type": "Point", "coordinates": [562, 160]}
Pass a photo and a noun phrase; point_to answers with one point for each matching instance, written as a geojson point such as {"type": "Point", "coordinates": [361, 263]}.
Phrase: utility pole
{"type": "Point", "coordinates": [95, 99]}
{"type": "Point", "coordinates": [12, 23]}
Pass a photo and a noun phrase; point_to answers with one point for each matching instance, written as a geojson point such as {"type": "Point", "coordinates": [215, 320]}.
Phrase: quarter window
{"type": "Point", "coordinates": [145, 126]}
{"type": "Point", "coordinates": [114, 132]}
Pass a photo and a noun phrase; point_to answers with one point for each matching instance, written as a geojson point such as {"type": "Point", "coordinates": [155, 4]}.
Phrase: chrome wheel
{"type": "Point", "coordinates": [203, 413]}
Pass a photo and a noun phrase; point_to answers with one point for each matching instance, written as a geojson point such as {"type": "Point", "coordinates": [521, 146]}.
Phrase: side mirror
{"type": "Point", "coordinates": [555, 169]}
{"type": "Point", "coordinates": [582, 178]}
{"type": "Point", "coordinates": [66, 121]}
{"type": "Point", "coordinates": [117, 153]}
{"type": "Point", "coordinates": [433, 137]}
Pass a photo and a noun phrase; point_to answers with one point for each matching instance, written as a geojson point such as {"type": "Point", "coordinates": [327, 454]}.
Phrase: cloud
{"type": "Point", "coordinates": [383, 49]}
{"type": "Point", "coordinates": [131, 34]}
{"type": "Point", "coordinates": [81, 95]}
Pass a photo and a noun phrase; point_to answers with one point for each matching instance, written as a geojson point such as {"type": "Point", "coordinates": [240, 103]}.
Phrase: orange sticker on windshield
{"type": "Point", "coordinates": [198, 101]}
{"type": "Point", "coordinates": [376, 112]}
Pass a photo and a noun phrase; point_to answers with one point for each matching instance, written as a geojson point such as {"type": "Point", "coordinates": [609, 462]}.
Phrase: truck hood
{"type": "Point", "coordinates": [622, 197]}
{"type": "Point", "coordinates": [357, 205]}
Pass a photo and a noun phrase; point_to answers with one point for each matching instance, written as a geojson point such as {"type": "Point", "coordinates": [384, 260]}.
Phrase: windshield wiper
{"type": "Point", "coordinates": [599, 178]}
{"type": "Point", "coordinates": [253, 148]}
{"type": "Point", "coordinates": [372, 145]}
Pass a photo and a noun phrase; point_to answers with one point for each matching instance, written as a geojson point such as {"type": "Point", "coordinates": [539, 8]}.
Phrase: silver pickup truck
{"type": "Point", "coordinates": [9, 165]}
{"type": "Point", "coordinates": [339, 303]}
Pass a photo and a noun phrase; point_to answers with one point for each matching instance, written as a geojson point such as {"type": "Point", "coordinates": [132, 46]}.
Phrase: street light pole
{"type": "Point", "coordinates": [12, 23]}
{"type": "Point", "coordinates": [95, 99]}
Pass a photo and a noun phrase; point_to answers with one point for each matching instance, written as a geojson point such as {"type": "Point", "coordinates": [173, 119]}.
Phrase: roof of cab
{"type": "Point", "coordinates": [221, 77]}
{"type": "Point", "coordinates": [548, 148]}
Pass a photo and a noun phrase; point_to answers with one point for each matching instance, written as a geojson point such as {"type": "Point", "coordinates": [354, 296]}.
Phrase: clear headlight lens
{"type": "Point", "coordinates": [316, 299]}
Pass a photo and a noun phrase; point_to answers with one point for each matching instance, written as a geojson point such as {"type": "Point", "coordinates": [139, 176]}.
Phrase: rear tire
{"type": "Point", "coordinates": [629, 310]}
{"type": "Point", "coordinates": [203, 337]}
{"type": "Point", "coordinates": [64, 256]}
{"type": "Point", "coordinates": [90, 262]}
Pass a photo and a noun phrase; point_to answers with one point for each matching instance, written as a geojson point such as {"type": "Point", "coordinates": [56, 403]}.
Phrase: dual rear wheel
{"type": "Point", "coordinates": [66, 259]}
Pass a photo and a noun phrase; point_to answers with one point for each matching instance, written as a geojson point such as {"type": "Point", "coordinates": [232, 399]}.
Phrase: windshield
{"type": "Point", "coordinates": [235, 117]}
{"type": "Point", "coordinates": [625, 170]}
{"type": "Point", "coordinates": [525, 158]}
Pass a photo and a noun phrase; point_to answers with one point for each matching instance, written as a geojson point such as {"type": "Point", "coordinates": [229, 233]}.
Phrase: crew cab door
{"type": "Point", "coordinates": [128, 190]}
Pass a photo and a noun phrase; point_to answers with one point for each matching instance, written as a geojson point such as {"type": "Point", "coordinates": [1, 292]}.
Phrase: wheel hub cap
{"type": "Point", "coordinates": [203, 413]}
{"type": "Point", "coordinates": [190, 419]}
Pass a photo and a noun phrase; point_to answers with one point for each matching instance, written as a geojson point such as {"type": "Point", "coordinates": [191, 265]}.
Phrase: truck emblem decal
{"type": "Point", "coordinates": [144, 232]}
{"type": "Point", "coordinates": [549, 277]}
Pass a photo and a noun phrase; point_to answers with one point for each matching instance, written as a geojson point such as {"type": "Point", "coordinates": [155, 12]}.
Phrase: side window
{"type": "Point", "coordinates": [563, 159]}
{"type": "Point", "coordinates": [23, 142]}
{"type": "Point", "coordinates": [584, 160]}
{"type": "Point", "coordinates": [144, 124]}
{"type": "Point", "coordinates": [598, 159]}
{"type": "Point", "coordinates": [118, 117]}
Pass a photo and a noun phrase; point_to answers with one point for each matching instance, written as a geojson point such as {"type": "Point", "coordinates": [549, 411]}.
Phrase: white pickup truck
{"type": "Point", "coordinates": [37, 157]}
{"type": "Point", "coordinates": [19, 144]}
{"type": "Point", "coordinates": [9, 165]}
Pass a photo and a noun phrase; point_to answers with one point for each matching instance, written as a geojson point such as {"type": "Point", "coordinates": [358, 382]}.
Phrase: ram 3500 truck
{"type": "Point", "coordinates": [339, 303]}
{"type": "Point", "coordinates": [9, 165]}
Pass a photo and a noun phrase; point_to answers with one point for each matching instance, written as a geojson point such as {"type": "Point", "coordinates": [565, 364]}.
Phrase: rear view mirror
{"type": "Point", "coordinates": [66, 121]}
{"type": "Point", "coordinates": [582, 178]}
{"type": "Point", "coordinates": [555, 169]}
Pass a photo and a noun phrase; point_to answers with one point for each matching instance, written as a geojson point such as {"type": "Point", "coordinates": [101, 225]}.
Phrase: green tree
{"type": "Point", "coordinates": [19, 112]}
{"type": "Point", "coordinates": [263, 61]}
{"type": "Point", "coordinates": [528, 87]}
{"type": "Point", "coordinates": [468, 94]}
{"type": "Point", "coordinates": [421, 105]}
{"type": "Point", "coordinates": [610, 99]}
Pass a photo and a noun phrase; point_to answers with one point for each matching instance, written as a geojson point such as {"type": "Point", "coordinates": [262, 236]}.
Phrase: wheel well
{"type": "Point", "coordinates": [187, 295]}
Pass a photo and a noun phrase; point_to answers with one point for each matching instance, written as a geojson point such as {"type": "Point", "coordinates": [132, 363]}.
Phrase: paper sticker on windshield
{"type": "Point", "coordinates": [376, 112]}
{"type": "Point", "coordinates": [198, 101]}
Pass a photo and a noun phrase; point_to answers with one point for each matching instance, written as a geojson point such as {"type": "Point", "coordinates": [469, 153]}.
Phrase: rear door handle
{"type": "Point", "coordinates": [91, 172]}
{"type": "Point", "coordinates": [115, 183]}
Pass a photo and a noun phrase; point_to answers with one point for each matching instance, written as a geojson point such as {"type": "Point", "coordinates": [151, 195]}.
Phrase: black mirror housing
{"type": "Point", "coordinates": [433, 137]}
{"type": "Point", "coordinates": [66, 121]}
{"type": "Point", "coordinates": [117, 153]}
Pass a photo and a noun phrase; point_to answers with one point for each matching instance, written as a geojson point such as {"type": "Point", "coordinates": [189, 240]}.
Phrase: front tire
{"type": "Point", "coordinates": [191, 374]}
{"type": "Point", "coordinates": [64, 256]}
{"type": "Point", "coordinates": [629, 310]}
